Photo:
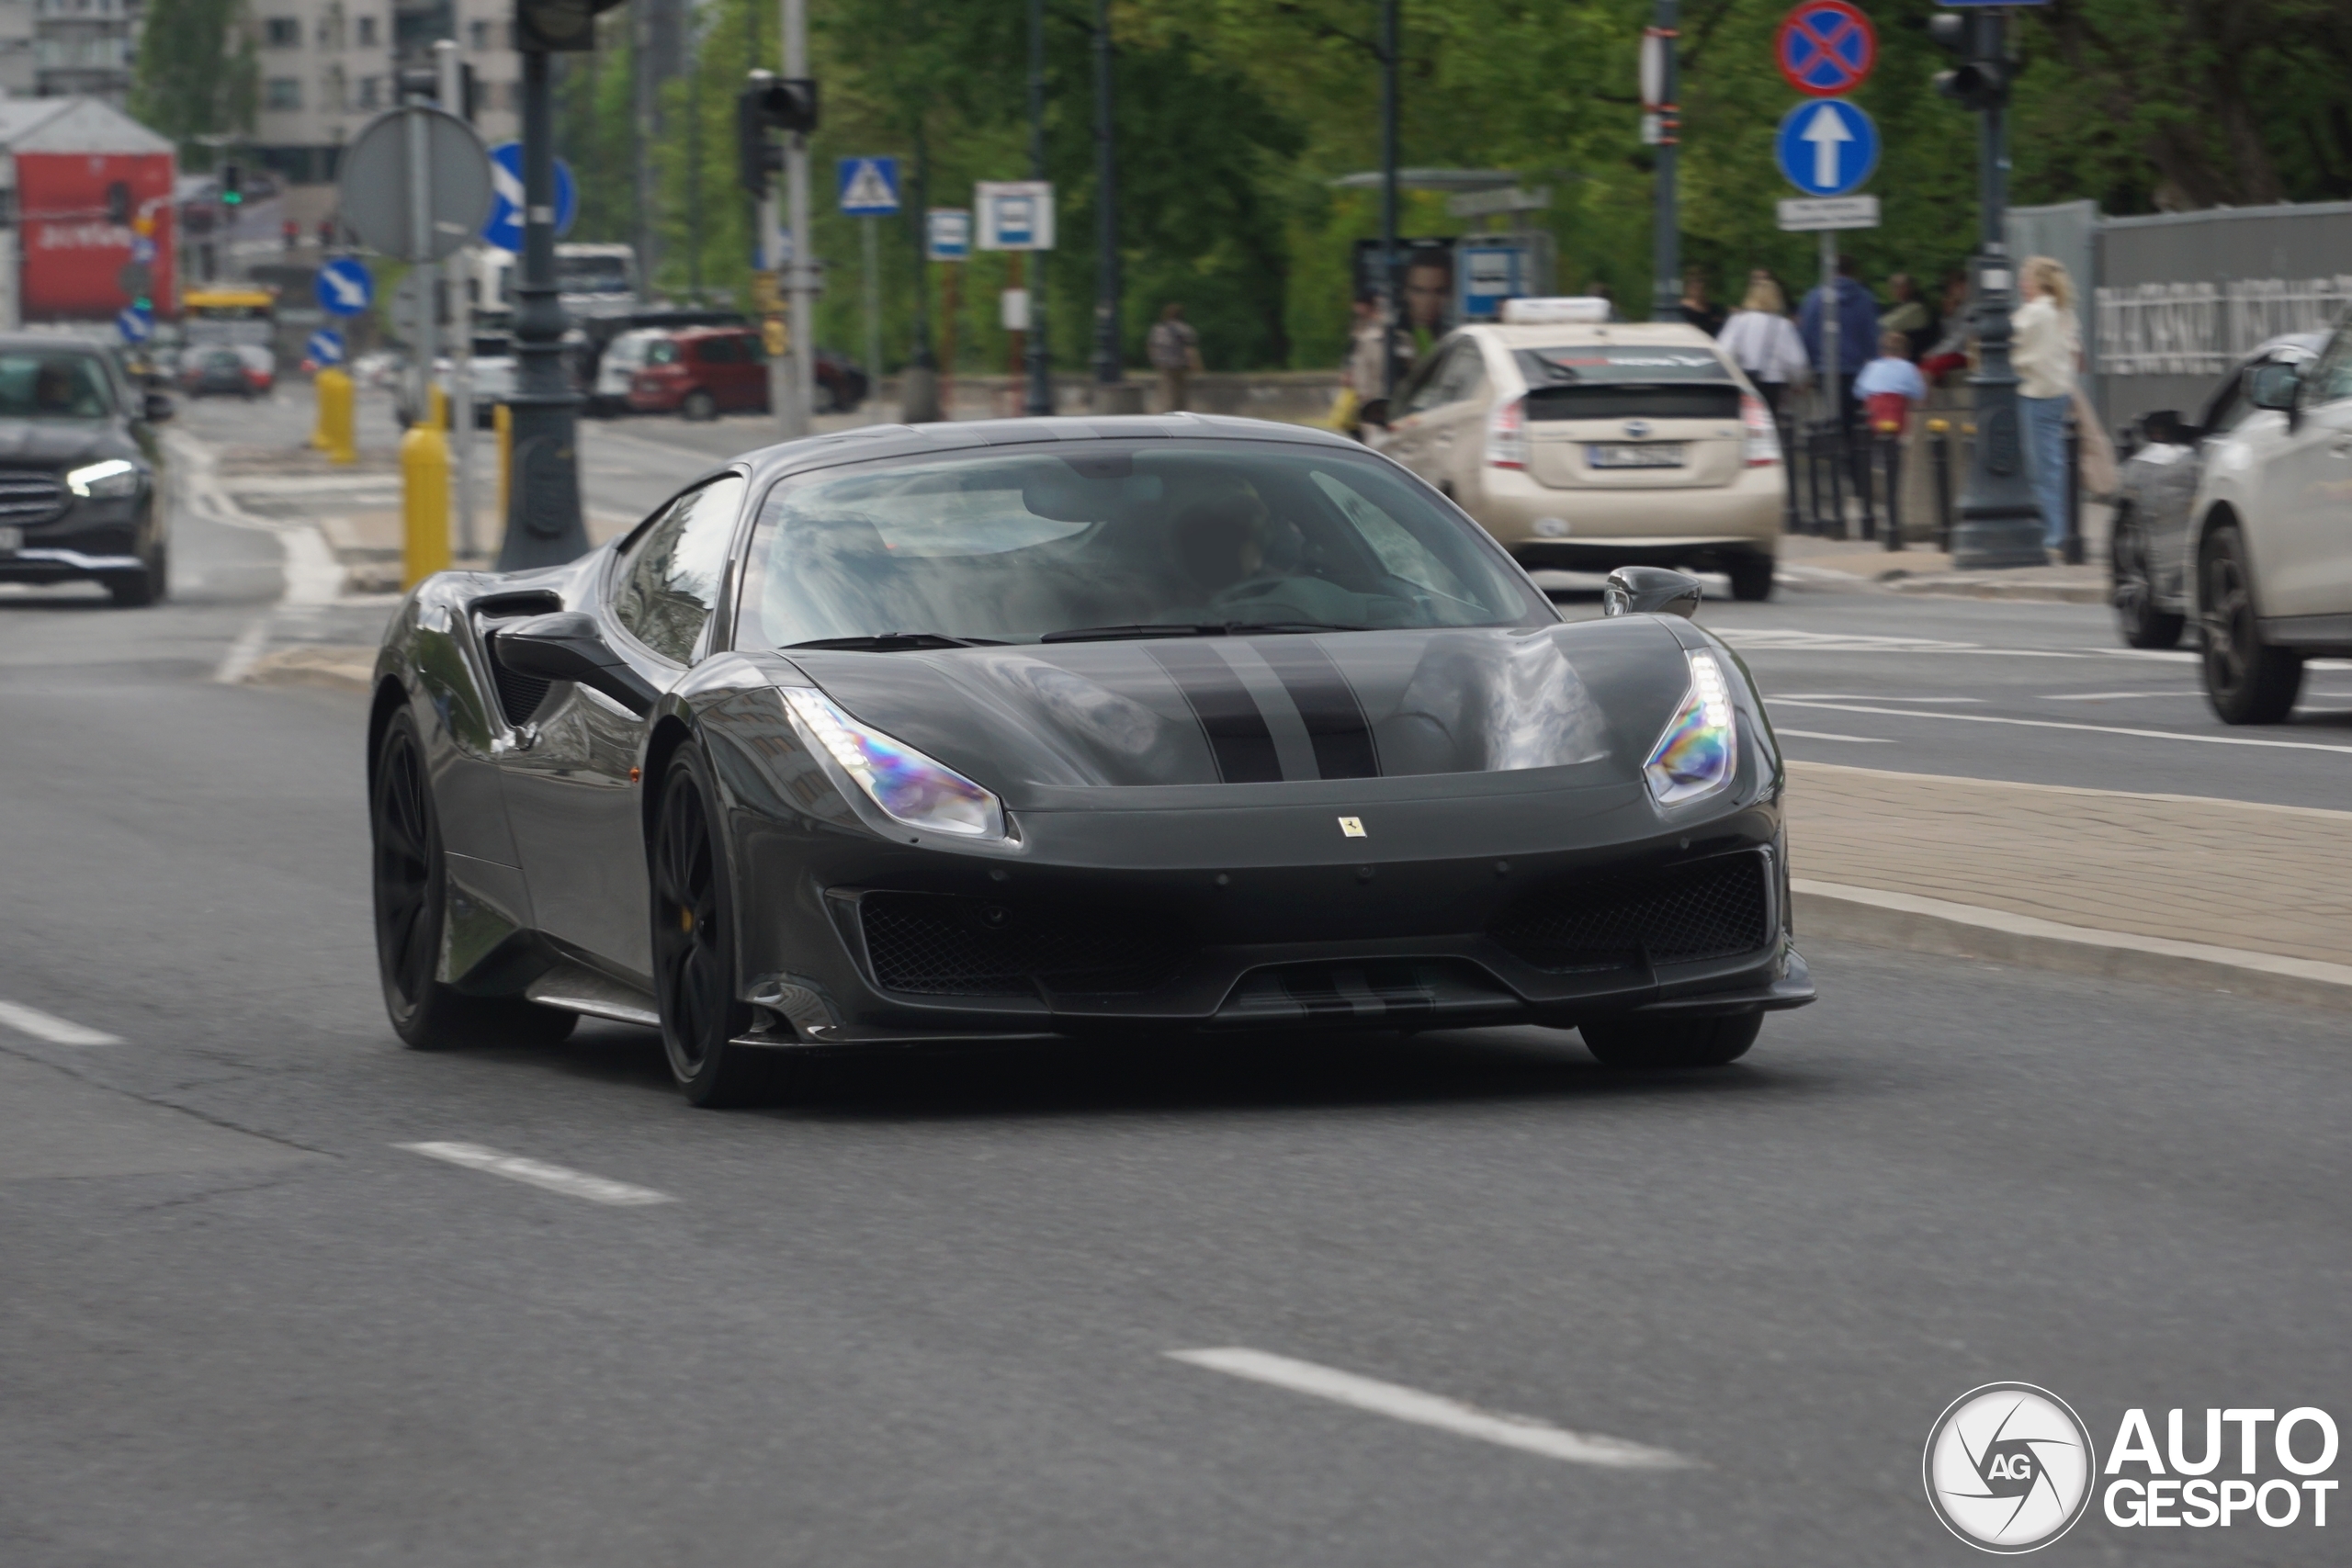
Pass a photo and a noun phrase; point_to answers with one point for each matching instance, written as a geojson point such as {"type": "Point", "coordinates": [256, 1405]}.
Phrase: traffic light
{"type": "Point", "coordinates": [769, 103]}
{"type": "Point", "coordinates": [558, 27]}
{"type": "Point", "coordinates": [118, 203]}
{"type": "Point", "coordinates": [232, 185]}
{"type": "Point", "coordinates": [422, 84]}
{"type": "Point", "coordinates": [1982, 79]}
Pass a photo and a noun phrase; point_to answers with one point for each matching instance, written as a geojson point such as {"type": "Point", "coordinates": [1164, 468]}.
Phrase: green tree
{"type": "Point", "coordinates": [195, 74]}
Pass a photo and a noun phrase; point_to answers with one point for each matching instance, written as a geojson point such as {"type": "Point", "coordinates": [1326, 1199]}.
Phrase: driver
{"type": "Point", "coordinates": [1221, 543]}
{"type": "Point", "coordinates": [54, 388]}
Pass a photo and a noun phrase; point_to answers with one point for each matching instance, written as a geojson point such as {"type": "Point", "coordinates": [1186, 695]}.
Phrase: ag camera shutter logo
{"type": "Point", "coordinates": [2009, 1467]}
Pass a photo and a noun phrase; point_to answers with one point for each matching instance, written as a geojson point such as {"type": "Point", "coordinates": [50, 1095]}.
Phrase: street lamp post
{"type": "Point", "coordinates": [1661, 72]}
{"type": "Point", "coordinates": [543, 522]}
{"type": "Point", "coordinates": [2000, 523]}
{"type": "Point", "coordinates": [1107, 371]}
{"type": "Point", "coordinates": [1040, 362]}
{"type": "Point", "coordinates": [1391, 301]}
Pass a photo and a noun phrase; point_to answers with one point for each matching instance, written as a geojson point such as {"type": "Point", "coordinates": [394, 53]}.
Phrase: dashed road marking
{"type": "Point", "coordinates": [1829, 735]}
{"type": "Point", "coordinates": [1522, 1432]}
{"type": "Point", "coordinates": [50, 1027]}
{"type": "Point", "coordinates": [537, 1173]}
{"type": "Point", "coordinates": [2061, 724]}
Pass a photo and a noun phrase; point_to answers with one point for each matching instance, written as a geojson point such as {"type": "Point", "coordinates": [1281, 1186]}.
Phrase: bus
{"type": "Point", "coordinates": [242, 316]}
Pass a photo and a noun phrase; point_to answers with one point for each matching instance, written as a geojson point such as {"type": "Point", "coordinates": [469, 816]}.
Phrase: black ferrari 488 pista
{"type": "Point", "coordinates": [1068, 728]}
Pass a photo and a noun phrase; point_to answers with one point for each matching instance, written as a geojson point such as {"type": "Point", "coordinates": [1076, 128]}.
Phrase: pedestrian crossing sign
{"type": "Point", "coordinates": [869, 188]}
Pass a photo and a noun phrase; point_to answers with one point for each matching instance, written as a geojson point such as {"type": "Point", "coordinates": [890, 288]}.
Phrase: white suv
{"type": "Point", "coordinates": [1587, 446]}
{"type": "Point", "coordinates": [2272, 540]}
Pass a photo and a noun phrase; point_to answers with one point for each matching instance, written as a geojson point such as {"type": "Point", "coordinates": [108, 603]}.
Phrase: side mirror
{"type": "Point", "coordinates": [566, 646]}
{"type": "Point", "coordinates": [156, 408]}
{"type": "Point", "coordinates": [2274, 387]}
{"type": "Point", "coordinates": [2164, 428]}
{"type": "Point", "coordinates": [1650, 591]}
{"type": "Point", "coordinates": [1373, 411]}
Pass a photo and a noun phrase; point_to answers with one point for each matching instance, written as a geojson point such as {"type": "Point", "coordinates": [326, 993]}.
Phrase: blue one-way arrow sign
{"type": "Point", "coordinates": [343, 287]}
{"type": "Point", "coordinates": [1826, 148]}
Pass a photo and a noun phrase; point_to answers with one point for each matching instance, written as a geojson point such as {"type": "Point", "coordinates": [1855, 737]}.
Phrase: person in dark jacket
{"type": "Point", "coordinates": [1856, 345]}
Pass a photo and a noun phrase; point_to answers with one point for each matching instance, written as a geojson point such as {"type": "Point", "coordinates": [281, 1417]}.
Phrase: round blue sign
{"type": "Point", "coordinates": [504, 227]}
{"type": "Point", "coordinates": [1826, 148]}
{"type": "Point", "coordinates": [325, 347]}
{"type": "Point", "coordinates": [343, 287]}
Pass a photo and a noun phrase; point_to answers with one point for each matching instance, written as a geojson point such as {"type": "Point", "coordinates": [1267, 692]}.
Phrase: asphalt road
{"type": "Point", "coordinates": [926, 1314]}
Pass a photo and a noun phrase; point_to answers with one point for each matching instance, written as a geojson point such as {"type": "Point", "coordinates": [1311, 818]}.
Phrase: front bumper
{"type": "Point", "coordinates": [906, 958]}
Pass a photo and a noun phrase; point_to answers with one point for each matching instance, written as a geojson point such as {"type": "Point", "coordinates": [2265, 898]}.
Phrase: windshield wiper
{"type": "Point", "coordinates": [1195, 629]}
{"type": "Point", "coordinates": [891, 642]}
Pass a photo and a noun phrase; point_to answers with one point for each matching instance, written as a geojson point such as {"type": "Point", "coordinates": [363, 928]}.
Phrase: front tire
{"type": "Point", "coordinates": [411, 899]}
{"type": "Point", "coordinates": [2134, 590]}
{"type": "Point", "coordinates": [148, 586]}
{"type": "Point", "coordinates": [2246, 680]}
{"type": "Point", "coordinates": [1655, 1042]}
{"type": "Point", "coordinates": [694, 945]}
{"type": "Point", "coordinates": [700, 407]}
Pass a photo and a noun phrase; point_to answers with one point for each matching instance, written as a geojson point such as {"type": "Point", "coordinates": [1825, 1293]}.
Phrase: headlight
{"type": "Point", "coordinates": [908, 785]}
{"type": "Point", "coordinates": [114, 476]}
{"type": "Point", "coordinates": [1696, 754]}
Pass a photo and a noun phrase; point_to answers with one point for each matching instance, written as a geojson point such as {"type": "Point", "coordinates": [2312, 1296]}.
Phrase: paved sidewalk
{"type": "Point", "coordinates": [1919, 569]}
{"type": "Point", "coordinates": [2230, 874]}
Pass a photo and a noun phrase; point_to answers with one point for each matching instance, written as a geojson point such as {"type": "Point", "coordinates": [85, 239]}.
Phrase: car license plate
{"type": "Point", "coordinates": [1634, 455]}
{"type": "Point", "coordinates": [12, 540]}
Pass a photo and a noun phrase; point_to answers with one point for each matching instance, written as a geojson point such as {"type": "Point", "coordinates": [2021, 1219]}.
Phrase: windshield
{"type": "Point", "coordinates": [53, 386]}
{"type": "Point", "coordinates": [591, 274]}
{"type": "Point", "coordinates": [1118, 537]}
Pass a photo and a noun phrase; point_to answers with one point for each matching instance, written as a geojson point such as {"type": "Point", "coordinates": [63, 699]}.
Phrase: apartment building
{"type": "Point", "coordinates": [328, 66]}
{"type": "Point", "coordinates": [68, 47]}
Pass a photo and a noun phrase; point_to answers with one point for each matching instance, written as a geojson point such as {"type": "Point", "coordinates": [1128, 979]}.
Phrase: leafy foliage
{"type": "Point", "coordinates": [196, 73]}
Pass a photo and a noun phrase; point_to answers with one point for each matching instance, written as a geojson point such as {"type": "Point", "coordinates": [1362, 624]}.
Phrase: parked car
{"type": "Point", "coordinates": [2166, 460]}
{"type": "Point", "coordinates": [82, 484]}
{"type": "Point", "coordinates": [701, 373]}
{"type": "Point", "coordinates": [218, 372]}
{"type": "Point", "coordinates": [2268, 544]}
{"type": "Point", "coordinates": [1587, 444]}
{"type": "Point", "coordinates": [841, 385]}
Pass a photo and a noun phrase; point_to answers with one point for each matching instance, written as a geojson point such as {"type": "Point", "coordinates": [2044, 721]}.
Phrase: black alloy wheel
{"type": "Point", "coordinates": [694, 951]}
{"type": "Point", "coordinates": [136, 590]}
{"type": "Point", "coordinates": [2246, 680]}
{"type": "Point", "coordinates": [2134, 587]}
{"type": "Point", "coordinates": [411, 896]}
{"type": "Point", "coordinates": [1658, 1042]}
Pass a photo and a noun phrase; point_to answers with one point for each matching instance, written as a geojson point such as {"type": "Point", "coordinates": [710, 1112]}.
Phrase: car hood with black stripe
{"type": "Point", "coordinates": [1034, 722]}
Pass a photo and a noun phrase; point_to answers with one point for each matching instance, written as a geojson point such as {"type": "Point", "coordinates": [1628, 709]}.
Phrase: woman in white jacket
{"type": "Point", "coordinates": [2045, 345]}
{"type": "Point", "coordinates": [1763, 342]}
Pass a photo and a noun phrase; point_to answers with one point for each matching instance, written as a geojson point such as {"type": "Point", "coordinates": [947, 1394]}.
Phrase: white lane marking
{"type": "Point", "coordinates": [2060, 724]}
{"type": "Point", "coordinates": [50, 1027]}
{"type": "Point", "coordinates": [1522, 1432]}
{"type": "Point", "coordinates": [1869, 697]}
{"type": "Point", "coordinates": [1829, 735]}
{"type": "Point", "coordinates": [537, 1173]}
{"type": "Point", "coordinates": [246, 651]}
{"type": "Point", "coordinates": [2108, 696]}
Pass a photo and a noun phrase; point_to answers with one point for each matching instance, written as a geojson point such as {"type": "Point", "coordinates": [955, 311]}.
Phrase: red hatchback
{"type": "Point", "coordinates": [702, 372]}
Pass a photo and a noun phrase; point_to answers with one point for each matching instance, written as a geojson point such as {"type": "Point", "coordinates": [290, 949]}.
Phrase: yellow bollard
{"type": "Point", "coordinates": [335, 422]}
{"type": "Point", "coordinates": [318, 440]}
{"type": "Point", "coordinates": [437, 407]}
{"type": "Point", "coordinates": [424, 503]}
{"type": "Point", "coordinates": [502, 420]}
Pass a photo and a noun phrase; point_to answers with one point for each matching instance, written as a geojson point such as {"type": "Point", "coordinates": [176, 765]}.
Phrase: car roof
{"type": "Point", "coordinates": [36, 343]}
{"type": "Point", "coordinates": [1571, 334]}
{"type": "Point", "coordinates": [872, 441]}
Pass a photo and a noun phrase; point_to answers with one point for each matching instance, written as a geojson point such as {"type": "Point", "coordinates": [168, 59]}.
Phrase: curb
{"type": "Point", "coordinates": [341, 667]}
{"type": "Point", "coordinates": [1969, 588]}
{"type": "Point", "coordinates": [1914, 924]}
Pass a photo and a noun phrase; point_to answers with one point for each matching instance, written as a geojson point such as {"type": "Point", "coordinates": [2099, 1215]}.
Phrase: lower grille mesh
{"type": "Point", "coordinates": [1713, 910]}
{"type": "Point", "coordinates": [934, 945]}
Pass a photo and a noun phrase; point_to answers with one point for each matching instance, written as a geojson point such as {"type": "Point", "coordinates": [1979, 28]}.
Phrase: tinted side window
{"type": "Point", "coordinates": [668, 584]}
{"type": "Point", "coordinates": [2332, 379]}
{"type": "Point", "coordinates": [721, 351]}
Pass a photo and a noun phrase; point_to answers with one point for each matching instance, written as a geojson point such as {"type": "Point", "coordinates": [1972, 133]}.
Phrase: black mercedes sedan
{"type": "Point", "coordinates": [80, 470]}
{"type": "Point", "coordinates": [1068, 728]}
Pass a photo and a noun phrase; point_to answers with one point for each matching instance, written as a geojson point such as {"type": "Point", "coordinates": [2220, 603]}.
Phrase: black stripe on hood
{"type": "Point", "coordinates": [1239, 738]}
{"type": "Point", "coordinates": [1328, 704]}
